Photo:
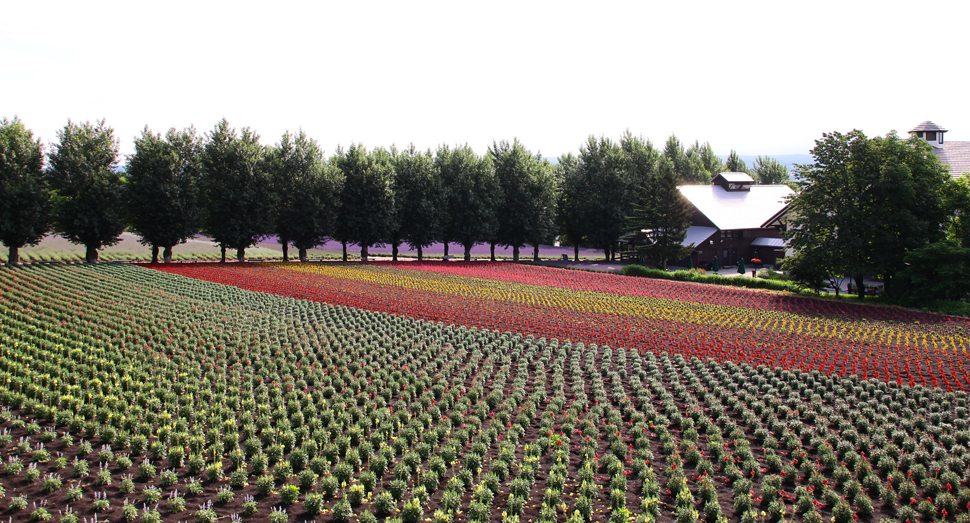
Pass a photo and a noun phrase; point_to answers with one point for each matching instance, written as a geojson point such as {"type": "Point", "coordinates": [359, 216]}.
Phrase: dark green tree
{"type": "Point", "coordinates": [25, 209]}
{"type": "Point", "coordinates": [708, 164]}
{"type": "Point", "coordinates": [662, 211]}
{"type": "Point", "coordinates": [769, 171]}
{"type": "Point", "coordinates": [236, 188]}
{"type": "Point", "coordinates": [957, 205]}
{"type": "Point", "coordinates": [305, 192]}
{"type": "Point", "coordinates": [526, 210]}
{"type": "Point", "coordinates": [419, 196]}
{"type": "Point", "coordinates": [610, 193]}
{"type": "Point", "coordinates": [571, 202]}
{"type": "Point", "coordinates": [865, 202]}
{"type": "Point", "coordinates": [545, 194]}
{"type": "Point", "coordinates": [471, 194]}
{"type": "Point", "coordinates": [735, 164]}
{"type": "Point", "coordinates": [367, 200]}
{"type": "Point", "coordinates": [936, 271]}
{"type": "Point", "coordinates": [689, 164]}
{"type": "Point", "coordinates": [164, 208]}
{"type": "Point", "coordinates": [89, 194]}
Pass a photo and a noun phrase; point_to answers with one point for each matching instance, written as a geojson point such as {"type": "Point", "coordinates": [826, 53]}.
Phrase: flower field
{"type": "Point", "coordinates": [681, 318]}
{"type": "Point", "coordinates": [466, 392]}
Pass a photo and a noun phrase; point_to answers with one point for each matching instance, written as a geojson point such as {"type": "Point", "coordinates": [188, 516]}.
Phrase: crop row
{"type": "Point", "coordinates": [134, 385]}
{"type": "Point", "coordinates": [920, 349]}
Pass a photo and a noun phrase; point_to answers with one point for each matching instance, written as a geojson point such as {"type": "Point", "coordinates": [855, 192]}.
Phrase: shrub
{"type": "Point", "coordinates": [384, 503]}
{"type": "Point", "coordinates": [341, 511]}
{"type": "Point", "coordinates": [265, 485]}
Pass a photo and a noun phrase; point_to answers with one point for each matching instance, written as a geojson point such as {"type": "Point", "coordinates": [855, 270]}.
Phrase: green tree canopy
{"type": "Point", "coordinates": [305, 193]}
{"type": "Point", "coordinates": [571, 202]}
{"type": "Point", "coordinates": [664, 213]}
{"type": "Point", "coordinates": [864, 203]}
{"type": "Point", "coordinates": [735, 164]}
{"type": "Point", "coordinates": [367, 200]}
{"type": "Point", "coordinates": [24, 194]}
{"type": "Point", "coordinates": [236, 188]}
{"type": "Point", "coordinates": [526, 210]}
{"type": "Point", "coordinates": [419, 195]}
{"type": "Point", "coordinates": [164, 207]}
{"type": "Point", "coordinates": [610, 193]}
{"type": "Point", "coordinates": [769, 171]}
{"type": "Point", "coordinates": [89, 193]}
{"type": "Point", "coordinates": [957, 205]}
{"type": "Point", "coordinates": [471, 193]}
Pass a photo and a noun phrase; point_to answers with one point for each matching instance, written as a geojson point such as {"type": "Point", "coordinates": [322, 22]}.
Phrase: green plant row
{"type": "Point", "coordinates": [696, 277]}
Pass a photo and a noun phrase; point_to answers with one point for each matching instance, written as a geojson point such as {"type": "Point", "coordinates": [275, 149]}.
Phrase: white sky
{"type": "Point", "coordinates": [757, 77]}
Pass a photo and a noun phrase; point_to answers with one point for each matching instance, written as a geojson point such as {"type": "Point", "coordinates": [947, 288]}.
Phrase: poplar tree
{"type": "Point", "coordinates": [25, 216]}
{"type": "Point", "coordinates": [89, 193]}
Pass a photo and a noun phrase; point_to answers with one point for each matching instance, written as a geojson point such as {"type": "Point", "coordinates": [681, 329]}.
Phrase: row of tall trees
{"type": "Point", "coordinates": [229, 186]}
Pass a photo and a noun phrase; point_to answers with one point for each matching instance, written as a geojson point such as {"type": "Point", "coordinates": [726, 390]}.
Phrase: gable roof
{"type": "Point", "coordinates": [956, 155]}
{"type": "Point", "coordinates": [732, 210]}
{"type": "Point", "coordinates": [927, 126]}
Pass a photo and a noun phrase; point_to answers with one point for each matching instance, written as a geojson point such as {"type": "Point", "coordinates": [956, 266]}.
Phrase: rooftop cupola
{"type": "Point", "coordinates": [733, 181]}
{"type": "Point", "coordinates": [929, 131]}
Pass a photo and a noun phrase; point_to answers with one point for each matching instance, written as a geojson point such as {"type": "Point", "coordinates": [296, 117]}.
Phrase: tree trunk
{"type": "Point", "coordinates": [344, 243]}
{"type": "Point", "coordinates": [363, 252]}
{"type": "Point", "coordinates": [535, 252]}
{"type": "Point", "coordinates": [154, 254]}
{"type": "Point", "coordinates": [286, 249]}
{"type": "Point", "coordinates": [394, 249]}
{"type": "Point", "coordinates": [420, 253]}
{"type": "Point", "coordinates": [887, 284]}
{"type": "Point", "coordinates": [446, 248]}
{"type": "Point", "coordinates": [861, 286]}
{"type": "Point", "coordinates": [576, 252]}
{"type": "Point", "coordinates": [91, 256]}
{"type": "Point", "coordinates": [492, 247]}
{"type": "Point", "coordinates": [515, 253]}
{"type": "Point", "coordinates": [468, 253]}
{"type": "Point", "coordinates": [167, 254]}
{"type": "Point", "coordinates": [13, 258]}
{"type": "Point", "coordinates": [222, 247]}
{"type": "Point", "coordinates": [241, 254]}
{"type": "Point", "coordinates": [606, 252]}
{"type": "Point", "coordinates": [303, 255]}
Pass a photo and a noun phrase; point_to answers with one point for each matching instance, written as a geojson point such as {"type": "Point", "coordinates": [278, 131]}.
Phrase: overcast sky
{"type": "Point", "coordinates": [757, 77]}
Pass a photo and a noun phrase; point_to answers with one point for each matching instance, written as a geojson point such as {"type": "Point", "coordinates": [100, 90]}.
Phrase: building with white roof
{"type": "Point", "coordinates": [735, 219]}
{"type": "Point", "coordinates": [954, 154]}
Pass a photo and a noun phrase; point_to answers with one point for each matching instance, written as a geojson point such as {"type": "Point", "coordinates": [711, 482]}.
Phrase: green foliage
{"type": "Point", "coordinates": [694, 276]}
{"type": "Point", "coordinates": [164, 207]}
{"type": "Point", "coordinates": [89, 193]}
{"type": "Point", "coordinates": [236, 188]}
{"type": "Point", "coordinates": [769, 171]}
{"type": "Point", "coordinates": [305, 193]}
{"type": "Point", "coordinates": [419, 197]}
{"type": "Point", "coordinates": [471, 196]}
{"type": "Point", "coordinates": [25, 210]}
{"type": "Point", "coordinates": [527, 195]}
{"type": "Point", "coordinates": [862, 205]}
{"type": "Point", "coordinates": [663, 212]}
{"type": "Point", "coordinates": [734, 163]}
{"type": "Point", "coordinates": [367, 198]}
{"type": "Point", "coordinates": [936, 271]}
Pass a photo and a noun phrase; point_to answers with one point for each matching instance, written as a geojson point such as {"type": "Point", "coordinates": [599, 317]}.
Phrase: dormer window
{"type": "Point", "coordinates": [931, 136]}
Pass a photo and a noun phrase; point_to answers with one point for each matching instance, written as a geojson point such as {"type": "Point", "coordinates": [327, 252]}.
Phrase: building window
{"type": "Point", "coordinates": [725, 256]}
{"type": "Point", "coordinates": [931, 136]}
{"type": "Point", "coordinates": [919, 134]}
